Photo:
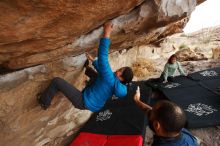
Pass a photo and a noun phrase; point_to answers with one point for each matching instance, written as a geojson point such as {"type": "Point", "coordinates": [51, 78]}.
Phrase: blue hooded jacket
{"type": "Point", "coordinates": [106, 85]}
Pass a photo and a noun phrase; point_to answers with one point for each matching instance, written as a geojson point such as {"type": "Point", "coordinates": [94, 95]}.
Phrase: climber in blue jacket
{"type": "Point", "coordinates": [106, 84]}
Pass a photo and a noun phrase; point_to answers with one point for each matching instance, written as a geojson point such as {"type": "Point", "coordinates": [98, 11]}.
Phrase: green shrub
{"type": "Point", "coordinates": [183, 46]}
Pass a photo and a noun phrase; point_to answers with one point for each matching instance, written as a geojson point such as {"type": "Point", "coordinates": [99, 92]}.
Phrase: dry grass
{"type": "Point", "coordinates": [143, 68]}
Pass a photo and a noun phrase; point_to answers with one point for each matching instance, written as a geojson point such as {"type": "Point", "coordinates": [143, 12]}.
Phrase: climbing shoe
{"type": "Point", "coordinates": [43, 106]}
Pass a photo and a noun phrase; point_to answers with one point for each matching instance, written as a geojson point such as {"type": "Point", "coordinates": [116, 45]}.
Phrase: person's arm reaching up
{"type": "Point", "coordinates": [104, 68]}
{"type": "Point", "coordinates": [107, 29]}
{"type": "Point", "coordinates": [146, 108]}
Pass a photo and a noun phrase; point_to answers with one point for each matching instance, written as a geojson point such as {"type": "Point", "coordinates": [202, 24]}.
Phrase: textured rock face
{"type": "Point", "coordinates": [188, 55]}
{"type": "Point", "coordinates": [23, 122]}
{"type": "Point", "coordinates": [216, 53]}
{"type": "Point", "coordinates": [36, 32]}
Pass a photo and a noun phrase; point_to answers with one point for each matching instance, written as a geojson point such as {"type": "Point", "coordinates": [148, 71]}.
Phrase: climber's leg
{"type": "Point", "coordinates": [58, 84]}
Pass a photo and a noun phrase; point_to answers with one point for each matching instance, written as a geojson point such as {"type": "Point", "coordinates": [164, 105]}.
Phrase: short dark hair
{"type": "Point", "coordinates": [171, 57]}
{"type": "Point", "coordinates": [127, 75]}
{"type": "Point", "coordinates": [171, 117]}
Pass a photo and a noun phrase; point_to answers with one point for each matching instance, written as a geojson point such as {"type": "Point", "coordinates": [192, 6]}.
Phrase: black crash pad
{"type": "Point", "coordinates": [120, 116]}
{"type": "Point", "coordinates": [197, 97]}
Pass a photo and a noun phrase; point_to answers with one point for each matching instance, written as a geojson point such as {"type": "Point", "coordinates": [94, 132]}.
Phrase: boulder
{"type": "Point", "coordinates": [38, 32]}
{"type": "Point", "coordinates": [189, 55]}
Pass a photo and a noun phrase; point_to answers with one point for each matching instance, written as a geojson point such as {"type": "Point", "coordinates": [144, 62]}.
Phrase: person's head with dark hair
{"type": "Point", "coordinates": [172, 59]}
{"type": "Point", "coordinates": [125, 74]}
{"type": "Point", "coordinates": [166, 119]}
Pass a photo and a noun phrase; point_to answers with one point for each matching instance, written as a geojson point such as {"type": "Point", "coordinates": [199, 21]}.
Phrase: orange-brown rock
{"type": "Point", "coordinates": [36, 32]}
